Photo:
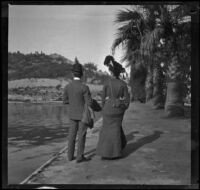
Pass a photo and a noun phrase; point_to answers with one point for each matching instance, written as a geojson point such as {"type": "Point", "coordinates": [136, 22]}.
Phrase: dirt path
{"type": "Point", "coordinates": [158, 152]}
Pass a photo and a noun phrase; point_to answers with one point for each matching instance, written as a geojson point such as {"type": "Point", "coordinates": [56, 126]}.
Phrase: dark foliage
{"type": "Point", "coordinates": [37, 65]}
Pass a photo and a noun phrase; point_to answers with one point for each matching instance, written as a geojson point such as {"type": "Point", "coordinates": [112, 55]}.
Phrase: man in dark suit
{"type": "Point", "coordinates": [77, 94]}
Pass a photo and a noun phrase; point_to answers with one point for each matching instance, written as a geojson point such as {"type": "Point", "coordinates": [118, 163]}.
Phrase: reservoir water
{"type": "Point", "coordinates": [35, 133]}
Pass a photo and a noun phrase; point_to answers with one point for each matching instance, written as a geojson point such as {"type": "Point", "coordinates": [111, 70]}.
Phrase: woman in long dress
{"type": "Point", "coordinates": [115, 100]}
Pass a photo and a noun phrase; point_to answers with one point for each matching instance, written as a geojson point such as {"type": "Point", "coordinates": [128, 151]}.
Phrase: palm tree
{"type": "Point", "coordinates": [129, 35]}
{"type": "Point", "coordinates": [142, 33]}
{"type": "Point", "coordinates": [170, 26]}
{"type": "Point", "coordinates": [136, 36]}
{"type": "Point", "coordinates": [159, 86]}
{"type": "Point", "coordinates": [151, 47]}
{"type": "Point", "coordinates": [179, 60]}
{"type": "Point", "coordinates": [137, 81]}
{"type": "Point", "coordinates": [159, 78]}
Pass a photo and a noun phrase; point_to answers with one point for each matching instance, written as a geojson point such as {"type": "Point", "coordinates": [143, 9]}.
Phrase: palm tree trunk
{"type": "Point", "coordinates": [158, 90]}
{"type": "Point", "coordinates": [174, 105]}
{"type": "Point", "coordinates": [137, 82]}
{"type": "Point", "coordinates": [149, 84]}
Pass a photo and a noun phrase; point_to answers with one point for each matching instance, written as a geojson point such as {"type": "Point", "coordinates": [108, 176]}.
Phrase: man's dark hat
{"type": "Point", "coordinates": [77, 67]}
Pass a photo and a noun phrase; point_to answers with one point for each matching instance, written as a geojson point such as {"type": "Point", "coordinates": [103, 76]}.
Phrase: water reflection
{"type": "Point", "coordinates": [36, 124]}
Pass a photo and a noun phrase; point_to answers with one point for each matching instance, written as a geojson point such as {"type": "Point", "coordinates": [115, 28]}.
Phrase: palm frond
{"type": "Point", "coordinates": [181, 11]}
{"type": "Point", "coordinates": [150, 40]}
{"type": "Point", "coordinates": [116, 43]}
{"type": "Point", "coordinates": [127, 35]}
{"type": "Point", "coordinates": [127, 15]}
{"type": "Point", "coordinates": [128, 28]}
{"type": "Point", "coordinates": [151, 9]}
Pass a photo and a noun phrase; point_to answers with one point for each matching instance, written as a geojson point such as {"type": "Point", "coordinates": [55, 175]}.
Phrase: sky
{"type": "Point", "coordinates": [85, 31]}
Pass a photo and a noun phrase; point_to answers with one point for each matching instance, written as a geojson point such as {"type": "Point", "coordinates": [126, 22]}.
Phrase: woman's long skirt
{"type": "Point", "coordinates": [111, 138]}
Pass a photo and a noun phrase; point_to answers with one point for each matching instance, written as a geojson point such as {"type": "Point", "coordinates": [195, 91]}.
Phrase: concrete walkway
{"type": "Point", "coordinates": [158, 153]}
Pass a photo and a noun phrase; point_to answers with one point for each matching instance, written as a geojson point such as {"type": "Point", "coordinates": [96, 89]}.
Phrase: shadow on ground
{"type": "Point", "coordinates": [130, 148]}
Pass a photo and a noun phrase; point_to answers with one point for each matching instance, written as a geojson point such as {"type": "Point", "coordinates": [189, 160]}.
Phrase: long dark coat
{"type": "Point", "coordinates": [111, 138]}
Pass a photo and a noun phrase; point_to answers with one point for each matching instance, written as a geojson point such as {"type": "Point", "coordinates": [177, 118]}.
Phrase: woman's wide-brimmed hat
{"type": "Point", "coordinates": [115, 66]}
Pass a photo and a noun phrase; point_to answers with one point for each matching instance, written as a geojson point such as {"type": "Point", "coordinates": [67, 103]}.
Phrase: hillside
{"type": "Point", "coordinates": [53, 66]}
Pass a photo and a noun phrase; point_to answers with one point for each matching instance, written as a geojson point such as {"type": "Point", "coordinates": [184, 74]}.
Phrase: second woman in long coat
{"type": "Point", "coordinates": [112, 139]}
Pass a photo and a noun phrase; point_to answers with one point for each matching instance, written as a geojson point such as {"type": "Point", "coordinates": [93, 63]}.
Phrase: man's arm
{"type": "Point", "coordinates": [87, 96]}
{"type": "Point", "coordinates": [65, 96]}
